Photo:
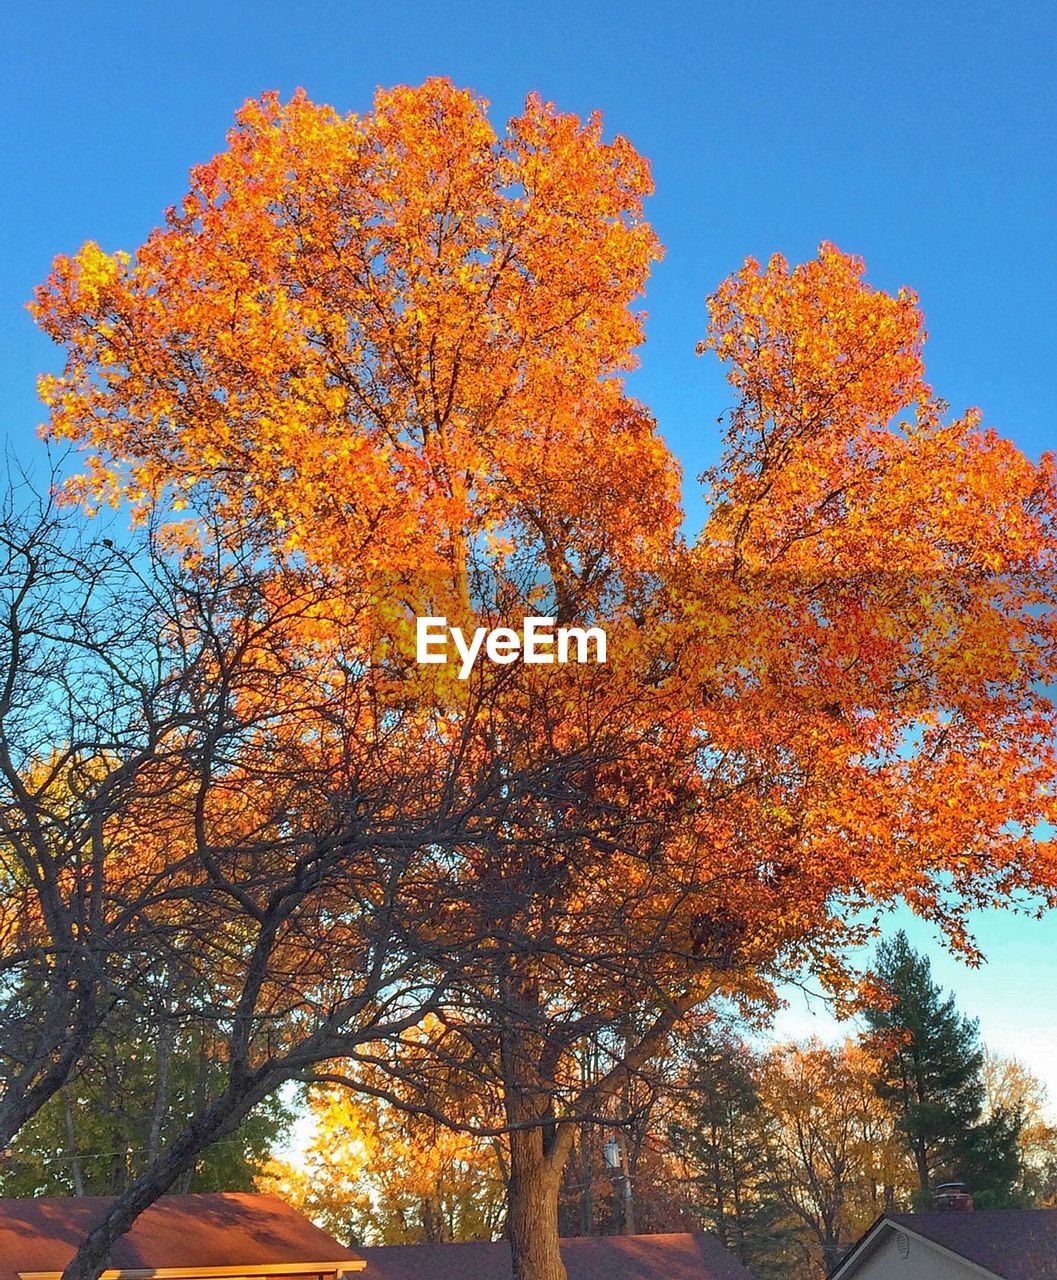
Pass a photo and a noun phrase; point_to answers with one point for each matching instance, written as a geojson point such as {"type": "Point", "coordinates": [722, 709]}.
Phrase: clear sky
{"type": "Point", "coordinates": [920, 135]}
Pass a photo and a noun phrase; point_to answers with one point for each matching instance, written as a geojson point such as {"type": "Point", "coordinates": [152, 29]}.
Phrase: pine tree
{"type": "Point", "coordinates": [721, 1140]}
{"type": "Point", "coordinates": [931, 1074]}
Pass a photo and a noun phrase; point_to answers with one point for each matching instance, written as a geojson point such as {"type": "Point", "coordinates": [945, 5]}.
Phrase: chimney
{"type": "Point", "coordinates": [953, 1197]}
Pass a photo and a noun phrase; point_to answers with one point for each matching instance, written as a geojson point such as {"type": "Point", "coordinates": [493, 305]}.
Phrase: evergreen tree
{"type": "Point", "coordinates": [931, 1074]}
{"type": "Point", "coordinates": [721, 1141]}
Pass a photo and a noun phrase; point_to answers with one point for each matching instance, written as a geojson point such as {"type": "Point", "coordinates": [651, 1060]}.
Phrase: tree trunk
{"type": "Point", "coordinates": [161, 1092]}
{"type": "Point", "coordinates": [922, 1162]}
{"type": "Point", "coordinates": [532, 1209]}
{"type": "Point", "coordinates": [629, 1206]}
{"type": "Point", "coordinates": [539, 1143]}
{"type": "Point", "coordinates": [831, 1252]}
{"type": "Point", "coordinates": [632, 1149]}
{"type": "Point", "coordinates": [587, 1204]}
{"type": "Point", "coordinates": [535, 1167]}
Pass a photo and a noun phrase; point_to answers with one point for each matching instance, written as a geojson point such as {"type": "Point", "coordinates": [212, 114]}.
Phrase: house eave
{"type": "Point", "coordinates": [233, 1272]}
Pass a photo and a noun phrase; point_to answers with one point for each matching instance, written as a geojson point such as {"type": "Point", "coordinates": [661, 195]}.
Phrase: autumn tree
{"type": "Point", "coordinates": [372, 1175]}
{"type": "Point", "coordinates": [831, 1143]}
{"type": "Point", "coordinates": [1011, 1089]}
{"type": "Point", "coordinates": [477, 400]}
{"type": "Point", "coordinates": [391, 344]}
{"type": "Point", "coordinates": [787, 1153]}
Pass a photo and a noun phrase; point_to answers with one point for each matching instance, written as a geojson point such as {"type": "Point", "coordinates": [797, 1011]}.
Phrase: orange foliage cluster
{"type": "Point", "coordinates": [384, 335]}
{"type": "Point", "coordinates": [392, 345]}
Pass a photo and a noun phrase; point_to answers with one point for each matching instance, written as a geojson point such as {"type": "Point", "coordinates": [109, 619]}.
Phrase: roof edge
{"type": "Point", "coordinates": [869, 1240]}
{"type": "Point", "coordinates": [233, 1272]}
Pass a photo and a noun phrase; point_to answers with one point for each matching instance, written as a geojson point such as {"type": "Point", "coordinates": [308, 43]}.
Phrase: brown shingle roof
{"type": "Point", "coordinates": [178, 1231]}
{"type": "Point", "coordinates": [1017, 1244]}
{"type": "Point", "coordinates": [684, 1256]}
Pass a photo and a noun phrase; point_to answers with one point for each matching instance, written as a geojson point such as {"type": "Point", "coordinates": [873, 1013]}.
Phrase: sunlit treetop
{"type": "Point", "coordinates": [395, 339]}
{"type": "Point", "coordinates": [382, 335]}
{"type": "Point", "coordinates": [837, 451]}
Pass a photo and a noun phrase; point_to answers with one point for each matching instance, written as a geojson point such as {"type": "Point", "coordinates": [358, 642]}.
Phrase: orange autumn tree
{"type": "Point", "coordinates": [371, 1175]}
{"type": "Point", "coordinates": [393, 345]}
{"type": "Point", "coordinates": [852, 707]}
{"type": "Point", "coordinates": [467, 411]}
{"type": "Point", "coordinates": [902, 566]}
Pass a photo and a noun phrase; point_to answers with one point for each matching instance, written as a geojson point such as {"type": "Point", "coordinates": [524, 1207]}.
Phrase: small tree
{"type": "Point", "coordinates": [830, 1143]}
{"type": "Point", "coordinates": [1011, 1089]}
{"type": "Point", "coordinates": [208, 827]}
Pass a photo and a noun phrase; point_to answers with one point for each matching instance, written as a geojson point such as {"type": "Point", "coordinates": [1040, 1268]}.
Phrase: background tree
{"type": "Point", "coordinates": [1010, 1089]}
{"type": "Point", "coordinates": [830, 1143]}
{"type": "Point", "coordinates": [135, 1088]}
{"type": "Point", "coordinates": [720, 1145]}
{"type": "Point", "coordinates": [639, 1195]}
{"type": "Point", "coordinates": [374, 1176]}
{"type": "Point", "coordinates": [931, 1074]}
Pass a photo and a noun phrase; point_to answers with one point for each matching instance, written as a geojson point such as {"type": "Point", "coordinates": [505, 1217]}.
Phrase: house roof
{"type": "Point", "coordinates": [192, 1232]}
{"type": "Point", "coordinates": [1014, 1244]}
{"type": "Point", "coordinates": [683, 1256]}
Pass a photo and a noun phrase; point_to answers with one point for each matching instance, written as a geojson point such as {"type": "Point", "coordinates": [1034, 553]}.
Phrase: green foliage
{"type": "Point", "coordinates": [134, 1094]}
{"type": "Point", "coordinates": [721, 1136]}
{"type": "Point", "coordinates": [931, 1075]}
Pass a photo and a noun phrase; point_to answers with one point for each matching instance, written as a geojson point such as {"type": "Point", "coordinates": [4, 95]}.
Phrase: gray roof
{"type": "Point", "coordinates": [1016, 1244]}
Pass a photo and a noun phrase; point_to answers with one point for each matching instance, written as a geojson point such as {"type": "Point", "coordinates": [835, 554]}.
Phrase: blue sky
{"type": "Point", "coordinates": [920, 136]}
